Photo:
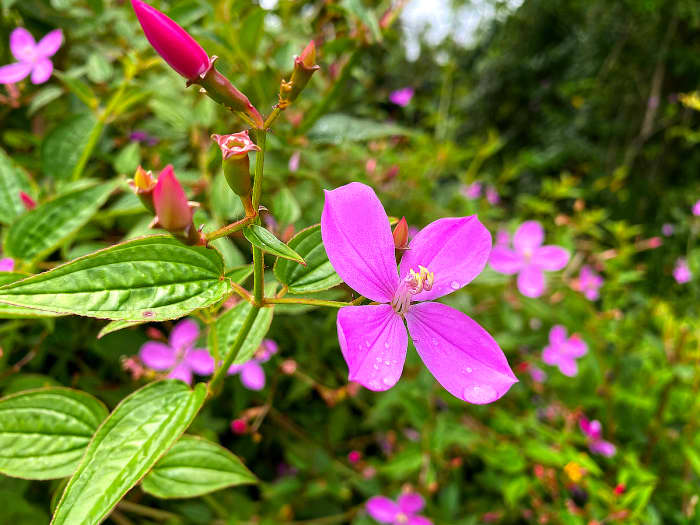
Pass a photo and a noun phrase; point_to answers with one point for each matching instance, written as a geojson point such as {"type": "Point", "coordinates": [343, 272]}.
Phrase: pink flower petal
{"type": "Point", "coordinates": [182, 372]}
{"type": "Point", "coordinates": [551, 258]}
{"type": "Point", "coordinates": [585, 425]}
{"type": "Point", "coordinates": [170, 201]}
{"type": "Point", "coordinates": [200, 361]}
{"type": "Point", "coordinates": [461, 355]}
{"type": "Point", "coordinates": [42, 71]}
{"type": "Point", "coordinates": [234, 369]}
{"type": "Point", "coordinates": [568, 366]}
{"type": "Point", "coordinates": [604, 448]}
{"type": "Point", "coordinates": [358, 240]}
{"type": "Point", "coordinates": [504, 260]}
{"type": "Point", "coordinates": [557, 335]}
{"type": "Point", "coordinates": [157, 356]}
{"type": "Point", "coordinates": [418, 520]}
{"type": "Point", "coordinates": [22, 45]}
{"type": "Point", "coordinates": [411, 502]}
{"type": "Point", "coordinates": [253, 375]}
{"type": "Point", "coordinates": [13, 73]}
{"type": "Point", "coordinates": [184, 334]}
{"type": "Point", "coordinates": [382, 509]}
{"type": "Point", "coordinates": [7, 264]}
{"type": "Point", "coordinates": [575, 346]}
{"type": "Point", "coordinates": [455, 250]}
{"type": "Point", "coordinates": [373, 340]}
{"type": "Point", "coordinates": [531, 281]}
{"type": "Point", "coordinates": [51, 43]}
{"type": "Point", "coordinates": [528, 236]}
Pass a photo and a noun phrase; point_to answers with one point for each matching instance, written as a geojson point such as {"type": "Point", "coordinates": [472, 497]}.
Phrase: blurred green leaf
{"type": "Point", "coordinates": [13, 180]}
{"type": "Point", "coordinates": [338, 128]}
{"type": "Point", "coordinates": [64, 146]}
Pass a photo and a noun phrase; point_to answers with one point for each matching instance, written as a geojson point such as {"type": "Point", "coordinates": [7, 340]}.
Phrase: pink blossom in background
{"type": "Point", "coordinates": [354, 456]}
{"type": "Point", "coordinates": [293, 164]}
{"type": "Point", "coordinates": [178, 356]}
{"type": "Point", "coordinates": [529, 259]}
{"type": "Point", "coordinates": [7, 264]}
{"type": "Point", "coordinates": [251, 373]}
{"type": "Point", "coordinates": [442, 258]}
{"type": "Point", "coordinates": [562, 352]}
{"type": "Point", "coordinates": [403, 511]}
{"type": "Point", "coordinates": [593, 431]}
{"type": "Point", "coordinates": [492, 195]}
{"type": "Point", "coordinates": [696, 208]}
{"type": "Point", "coordinates": [144, 137]}
{"type": "Point", "coordinates": [681, 273]}
{"type": "Point", "coordinates": [402, 97]}
{"type": "Point", "coordinates": [473, 191]}
{"type": "Point", "coordinates": [537, 374]}
{"type": "Point", "coordinates": [370, 166]}
{"type": "Point", "coordinates": [667, 229]}
{"type": "Point", "coordinates": [32, 58]}
{"type": "Point", "coordinates": [502, 238]}
{"type": "Point", "coordinates": [27, 201]}
{"type": "Point", "coordinates": [588, 283]}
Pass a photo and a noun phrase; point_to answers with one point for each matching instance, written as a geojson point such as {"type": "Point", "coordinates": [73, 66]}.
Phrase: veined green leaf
{"type": "Point", "coordinates": [193, 467]}
{"type": "Point", "coordinates": [127, 445]}
{"type": "Point", "coordinates": [63, 147]}
{"type": "Point", "coordinates": [17, 312]}
{"type": "Point", "coordinates": [41, 231]}
{"type": "Point", "coordinates": [285, 207]}
{"type": "Point", "coordinates": [267, 242]}
{"type": "Point", "coordinates": [12, 181]}
{"type": "Point", "coordinates": [152, 278]}
{"type": "Point", "coordinates": [44, 432]}
{"type": "Point", "coordinates": [318, 274]}
{"type": "Point", "coordinates": [338, 128]}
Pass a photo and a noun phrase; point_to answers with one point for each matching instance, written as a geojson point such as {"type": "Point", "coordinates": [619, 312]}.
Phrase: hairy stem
{"type": "Point", "coordinates": [231, 228]}
{"type": "Point", "coordinates": [305, 300]}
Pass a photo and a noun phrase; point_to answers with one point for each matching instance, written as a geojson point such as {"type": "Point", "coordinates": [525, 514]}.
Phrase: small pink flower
{"type": "Point", "coordinates": [588, 283]}
{"type": "Point", "coordinates": [178, 356]}
{"type": "Point", "coordinates": [529, 259]}
{"type": "Point", "coordinates": [681, 273]}
{"type": "Point", "coordinates": [403, 511]}
{"type": "Point", "coordinates": [593, 431]}
{"type": "Point", "coordinates": [442, 258]}
{"type": "Point", "coordinates": [7, 264]}
{"type": "Point", "coordinates": [696, 208]}
{"type": "Point", "coordinates": [473, 191]}
{"type": "Point", "coordinates": [402, 97]}
{"type": "Point", "coordinates": [27, 201]}
{"type": "Point", "coordinates": [294, 161]}
{"type": "Point", "coordinates": [239, 426]}
{"type": "Point", "coordinates": [354, 456]}
{"type": "Point", "coordinates": [31, 57]}
{"type": "Point", "coordinates": [502, 238]}
{"type": "Point", "coordinates": [537, 374]}
{"type": "Point", "coordinates": [492, 195]}
{"type": "Point", "coordinates": [667, 229]}
{"type": "Point", "coordinates": [370, 166]}
{"type": "Point", "coordinates": [251, 373]}
{"type": "Point", "coordinates": [562, 352]}
{"type": "Point", "coordinates": [235, 145]}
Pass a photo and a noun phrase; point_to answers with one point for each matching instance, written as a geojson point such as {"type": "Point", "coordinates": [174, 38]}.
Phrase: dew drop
{"type": "Point", "coordinates": [388, 381]}
{"type": "Point", "coordinates": [454, 285]}
{"type": "Point", "coordinates": [479, 394]}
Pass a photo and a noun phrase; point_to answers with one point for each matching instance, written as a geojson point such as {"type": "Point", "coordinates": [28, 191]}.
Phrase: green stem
{"type": "Point", "coordinates": [304, 300]}
{"type": "Point", "coordinates": [261, 136]}
{"type": "Point", "coordinates": [273, 116]}
{"type": "Point", "coordinates": [228, 230]}
{"type": "Point", "coordinates": [149, 512]}
{"type": "Point", "coordinates": [258, 276]}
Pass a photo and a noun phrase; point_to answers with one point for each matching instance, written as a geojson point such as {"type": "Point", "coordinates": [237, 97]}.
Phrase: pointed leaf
{"type": "Point", "coordinates": [127, 445]}
{"type": "Point", "coordinates": [267, 242]}
{"type": "Point", "coordinates": [338, 128]}
{"type": "Point", "coordinates": [193, 467]}
{"type": "Point", "coordinates": [152, 278]}
{"type": "Point", "coordinates": [64, 146]}
{"type": "Point", "coordinates": [44, 432]}
{"type": "Point", "coordinates": [285, 207]}
{"type": "Point", "coordinates": [12, 181]}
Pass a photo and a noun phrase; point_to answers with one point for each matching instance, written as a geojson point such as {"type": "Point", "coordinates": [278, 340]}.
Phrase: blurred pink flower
{"type": "Point", "coordinates": [178, 356]}
{"type": "Point", "coordinates": [562, 352]}
{"type": "Point", "coordinates": [471, 192]}
{"type": "Point", "coordinates": [588, 283]}
{"type": "Point", "coordinates": [492, 195]}
{"type": "Point", "coordinates": [27, 201]}
{"type": "Point", "coordinates": [400, 512]}
{"type": "Point", "coordinates": [354, 456]}
{"type": "Point", "coordinates": [143, 136]}
{"type": "Point", "coordinates": [538, 375]}
{"type": "Point", "coordinates": [667, 229]}
{"type": "Point", "coordinates": [593, 431]}
{"type": "Point", "coordinates": [696, 208]}
{"type": "Point", "coordinates": [442, 258]}
{"type": "Point", "coordinates": [370, 165]}
{"type": "Point", "coordinates": [251, 373]}
{"type": "Point", "coordinates": [681, 273]}
{"type": "Point", "coordinates": [7, 264]}
{"type": "Point", "coordinates": [529, 259]}
{"type": "Point", "coordinates": [402, 97]}
{"type": "Point", "coordinates": [294, 161]}
{"type": "Point", "coordinates": [31, 57]}
{"type": "Point", "coordinates": [502, 238]}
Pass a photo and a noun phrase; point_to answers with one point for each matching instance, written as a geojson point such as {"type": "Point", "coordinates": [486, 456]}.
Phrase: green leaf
{"type": "Point", "coordinates": [366, 16]}
{"type": "Point", "coordinates": [44, 432]}
{"type": "Point", "coordinates": [43, 97]}
{"type": "Point", "coordinates": [12, 181]}
{"type": "Point", "coordinates": [152, 278]}
{"type": "Point", "coordinates": [267, 242]}
{"type": "Point", "coordinates": [318, 274]}
{"type": "Point", "coordinates": [79, 88]}
{"type": "Point", "coordinates": [64, 146]}
{"type": "Point", "coordinates": [127, 445]}
{"type": "Point", "coordinates": [44, 229]}
{"type": "Point", "coordinates": [99, 69]}
{"type": "Point", "coordinates": [193, 467]}
{"type": "Point", "coordinates": [285, 207]}
{"type": "Point", "coordinates": [338, 128]}
{"type": "Point", "coordinates": [128, 159]}
{"type": "Point", "coordinates": [17, 312]}
{"type": "Point", "coordinates": [251, 31]}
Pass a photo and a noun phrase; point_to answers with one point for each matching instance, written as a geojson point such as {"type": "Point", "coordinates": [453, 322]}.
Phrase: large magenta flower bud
{"type": "Point", "coordinates": [172, 42]}
{"type": "Point", "coordinates": [173, 211]}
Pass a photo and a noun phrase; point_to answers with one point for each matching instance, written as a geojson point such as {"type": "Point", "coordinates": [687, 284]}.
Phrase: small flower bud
{"type": "Point", "coordinates": [172, 209]}
{"type": "Point", "coordinates": [143, 185]}
{"type": "Point", "coordinates": [234, 152]}
{"type": "Point", "coordinates": [401, 234]}
{"type": "Point", "coordinates": [28, 202]}
{"type": "Point", "coordinates": [239, 426]}
{"type": "Point", "coordinates": [354, 456]}
{"type": "Point", "coordinates": [304, 67]}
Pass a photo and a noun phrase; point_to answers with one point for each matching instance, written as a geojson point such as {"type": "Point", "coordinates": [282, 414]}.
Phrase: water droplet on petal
{"type": "Point", "coordinates": [454, 285]}
{"type": "Point", "coordinates": [387, 345]}
{"type": "Point", "coordinates": [388, 381]}
{"type": "Point", "coordinates": [469, 370]}
{"type": "Point", "coordinates": [479, 394]}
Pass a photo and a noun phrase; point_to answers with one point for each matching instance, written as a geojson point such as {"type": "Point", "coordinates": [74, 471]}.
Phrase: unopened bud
{"type": "Point", "coordinates": [401, 234]}
{"type": "Point", "coordinates": [239, 426]}
{"type": "Point", "coordinates": [234, 153]}
{"type": "Point", "coordinates": [28, 202]}
{"type": "Point", "coordinates": [304, 67]}
{"type": "Point", "coordinates": [143, 185]}
{"type": "Point", "coordinates": [172, 209]}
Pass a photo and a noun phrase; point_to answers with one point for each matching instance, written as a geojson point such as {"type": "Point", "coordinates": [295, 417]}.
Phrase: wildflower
{"type": "Point", "coordinates": [402, 97]}
{"type": "Point", "coordinates": [502, 238]}
{"type": "Point", "coordinates": [178, 356]}
{"type": "Point", "coordinates": [593, 431]}
{"type": "Point", "coordinates": [31, 57]}
{"type": "Point", "coordinates": [442, 258]}
{"type": "Point", "coordinates": [473, 191]}
{"type": "Point", "coordinates": [354, 456]}
{"type": "Point", "coordinates": [537, 374]}
{"type": "Point", "coordinates": [143, 185]}
{"type": "Point", "coordinates": [588, 283]}
{"type": "Point", "coordinates": [562, 352]}
{"type": "Point", "coordinates": [574, 471]}
{"type": "Point", "coordinates": [239, 426]}
{"type": "Point", "coordinates": [529, 259]}
{"type": "Point", "coordinates": [400, 234]}
{"type": "Point", "coordinates": [492, 195]}
{"type": "Point", "coordinates": [667, 229]}
{"type": "Point", "coordinates": [401, 512]}
{"type": "Point", "coordinates": [619, 489]}
{"type": "Point", "coordinates": [251, 373]}
{"type": "Point", "coordinates": [234, 153]}
{"type": "Point", "coordinates": [7, 264]}
{"type": "Point", "coordinates": [681, 273]}
{"type": "Point", "coordinates": [696, 208]}
{"type": "Point", "coordinates": [293, 164]}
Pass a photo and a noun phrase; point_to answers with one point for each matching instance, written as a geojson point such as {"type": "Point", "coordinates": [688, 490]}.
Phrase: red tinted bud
{"type": "Point", "coordinates": [401, 234]}
{"type": "Point", "coordinates": [308, 56]}
{"type": "Point", "coordinates": [304, 67]}
{"type": "Point", "coordinates": [620, 489]}
{"type": "Point", "coordinates": [239, 426]}
{"type": "Point", "coordinates": [170, 202]}
{"type": "Point", "coordinates": [28, 202]}
{"type": "Point", "coordinates": [172, 42]}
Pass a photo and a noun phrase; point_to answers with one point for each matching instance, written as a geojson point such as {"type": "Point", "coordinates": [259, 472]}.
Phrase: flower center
{"type": "Point", "coordinates": [414, 283]}
{"type": "Point", "coordinates": [401, 518]}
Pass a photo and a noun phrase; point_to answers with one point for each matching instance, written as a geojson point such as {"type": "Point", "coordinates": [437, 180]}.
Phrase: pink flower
{"type": "Point", "coordinates": [593, 431]}
{"type": "Point", "coordinates": [442, 258]}
{"type": "Point", "coordinates": [588, 283]}
{"type": "Point", "coordinates": [402, 512]}
{"type": "Point", "coordinates": [696, 208]}
{"type": "Point", "coordinates": [538, 375]}
{"type": "Point", "coordinates": [402, 97]}
{"type": "Point", "coordinates": [562, 352]}
{"type": "Point", "coordinates": [473, 191]}
{"type": "Point", "coordinates": [7, 264]}
{"type": "Point", "coordinates": [354, 456]}
{"type": "Point", "coordinates": [294, 161]}
{"type": "Point", "coordinates": [681, 273]}
{"type": "Point", "coordinates": [492, 195]}
{"type": "Point", "coordinates": [252, 374]}
{"type": "Point", "coordinates": [667, 229]}
{"type": "Point", "coordinates": [178, 356]}
{"type": "Point", "coordinates": [529, 259]}
{"type": "Point", "coordinates": [174, 44]}
{"type": "Point", "coordinates": [27, 201]}
{"type": "Point", "coordinates": [31, 57]}
{"type": "Point", "coordinates": [502, 238]}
